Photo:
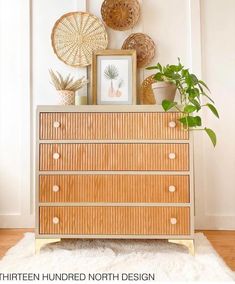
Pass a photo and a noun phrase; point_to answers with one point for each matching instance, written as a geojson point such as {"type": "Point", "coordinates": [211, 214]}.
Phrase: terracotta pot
{"type": "Point", "coordinates": [164, 91]}
{"type": "Point", "coordinates": [66, 98]}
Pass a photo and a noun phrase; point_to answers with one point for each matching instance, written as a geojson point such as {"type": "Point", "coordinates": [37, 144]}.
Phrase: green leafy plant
{"type": "Point", "coordinates": [68, 83]}
{"type": "Point", "coordinates": [193, 94]}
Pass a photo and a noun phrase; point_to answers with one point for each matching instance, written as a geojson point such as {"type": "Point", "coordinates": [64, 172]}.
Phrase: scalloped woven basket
{"type": "Point", "coordinates": [76, 36]}
{"type": "Point", "coordinates": [144, 46]}
{"type": "Point", "coordinates": [120, 15]}
{"type": "Point", "coordinates": [146, 91]}
{"type": "Point", "coordinates": [162, 91]}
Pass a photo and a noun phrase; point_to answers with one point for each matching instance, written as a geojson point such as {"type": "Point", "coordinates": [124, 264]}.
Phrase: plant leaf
{"type": "Point", "coordinates": [198, 120]}
{"type": "Point", "coordinates": [185, 72]}
{"type": "Point", "coordinates": [167, 105]}
{"type": "Point", "coordinates": [61, 80]}
{"type": "Point", "coordinates": [159, 66]}
{"type": "Point", "coordinates": [191, 121]}
{"type": "Point", "coordinates": [188, 80]}
{"type": "Point", "coordinates": [213, 109]}
{"type": "Point", "coordinates": [151, 68]}
{"type": "Point", "coordinates": [204, 85]}
{"type": "Point", "coordinates": [158, 77]}
{"type": "Point", "coordinates": [190, 108]}
{"type": "Point", "coordinates": [196, 103]}
{"type": "Point", "coordinates": [209, 98]}
{"type": "Point", "coordinates": [172, 75]}
{"type": "Point", "coordinates": [180, 66]}
{"type": "Point", "coordinates": [211, 135]}
{"type": "Point", "coordinates": [55, 80]}
{"type": "Point", "coordinates": [194, 79]}
{"type": "Point", "coordinates": [193, 93]}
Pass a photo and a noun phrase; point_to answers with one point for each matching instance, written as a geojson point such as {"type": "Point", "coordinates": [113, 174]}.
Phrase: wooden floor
{"type": "Point", "coordinates": [222, 241]}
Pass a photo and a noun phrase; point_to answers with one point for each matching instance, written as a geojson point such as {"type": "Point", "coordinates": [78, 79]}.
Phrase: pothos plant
{"type": "Point", "coordinates": [193, 94]}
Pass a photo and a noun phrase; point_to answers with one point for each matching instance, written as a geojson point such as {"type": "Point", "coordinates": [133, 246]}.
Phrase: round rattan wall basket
{"type": "Point", "coordinates": [120, 15]}
{"type": "Point", "coordinates": [144, 46]}
{"type": "Point", "coordinates": [75, 36]}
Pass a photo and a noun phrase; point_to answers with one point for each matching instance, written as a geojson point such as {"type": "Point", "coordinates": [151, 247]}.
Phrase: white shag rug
{"type": "Point", "coordinates": [169, 262]}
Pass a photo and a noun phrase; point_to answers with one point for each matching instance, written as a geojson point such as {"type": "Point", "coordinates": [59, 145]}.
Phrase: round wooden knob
{"type": "Point", "coordinates": [55, 188]}
{"type": "Point", "coordinates": [173, 221]}
{"type": "Point", "coordinates": [56, 124]}
{"type": "Point", "coordinates": [172, 188]}
{"type": "Point", "coordinates": [172, 156]}
{"type": "Point", "coordinates": [55, 220]}
{"type": "Point", "coordinates": [56, 156]}
{"type": "Point", "coordinates": [172, 124]}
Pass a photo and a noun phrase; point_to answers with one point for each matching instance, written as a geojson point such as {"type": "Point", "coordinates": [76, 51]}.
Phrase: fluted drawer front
{"type": "Point", "coordinates": [111, 126]}
{"type": "Point", "coordinates": [114, 188]}
{"type": "Point", "coordinates": [115, 220]}
{"type": "Point", "coordinates": [114, 157]}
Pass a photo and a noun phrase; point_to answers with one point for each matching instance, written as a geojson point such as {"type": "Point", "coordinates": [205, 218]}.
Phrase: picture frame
{"type": "Point", "coordinates": [114, 77]}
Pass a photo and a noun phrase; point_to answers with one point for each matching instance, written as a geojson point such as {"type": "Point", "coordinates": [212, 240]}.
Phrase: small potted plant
{"type": "Point", "coordinates": [66, 87]}
{"type": "Point", "coordinates": [193, 96]}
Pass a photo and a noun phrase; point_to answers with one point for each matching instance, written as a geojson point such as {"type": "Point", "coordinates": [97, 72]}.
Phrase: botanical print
{"type": "Point", "coordinates": [111, 74]}
{"type": "Point", "coordinates": [114, 80]}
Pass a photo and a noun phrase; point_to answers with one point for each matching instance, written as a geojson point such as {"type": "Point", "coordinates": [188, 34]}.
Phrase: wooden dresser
{"type": "Point", "coordinates": [113, 172]}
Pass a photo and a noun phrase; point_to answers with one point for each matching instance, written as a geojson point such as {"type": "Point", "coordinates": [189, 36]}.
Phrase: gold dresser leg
{"type": "Point", "coordinates": [39, 243]}
{"type": "Point", "coordinates": [187, 243]}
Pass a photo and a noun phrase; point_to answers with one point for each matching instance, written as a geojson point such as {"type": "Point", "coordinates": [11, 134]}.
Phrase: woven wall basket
{"type": "Point", "coordinates": [120, 15]}
{"type": "Point", "coordinates": [75, 36]}
{"type": "Point", "coordinates": [144, 46]}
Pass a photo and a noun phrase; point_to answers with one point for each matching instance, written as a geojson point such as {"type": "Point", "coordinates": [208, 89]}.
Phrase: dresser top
{"type": "Point", "coordinates": [102, 108]}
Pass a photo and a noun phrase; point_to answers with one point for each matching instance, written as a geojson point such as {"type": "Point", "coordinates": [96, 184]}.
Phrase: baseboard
{"type": "Point", "coordinates": [17, 221]}
{"type": "Point", "coordinates": [215, 222]}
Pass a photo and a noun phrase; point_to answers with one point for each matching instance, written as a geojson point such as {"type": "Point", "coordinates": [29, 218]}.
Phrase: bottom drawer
{"type": "Point", "coordinates": [115, 220]}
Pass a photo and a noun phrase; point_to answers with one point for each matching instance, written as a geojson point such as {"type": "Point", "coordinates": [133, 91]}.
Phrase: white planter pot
{"type": "Point", "coordinates": [81, 100]}
{"type": "Point", "coordinates": [164, 91]}
{"type": "Point", "coordinates": [66, 97]}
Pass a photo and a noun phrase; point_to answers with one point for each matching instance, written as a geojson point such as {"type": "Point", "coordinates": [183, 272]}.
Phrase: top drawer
{"type": "Point", "coordinates": [111, 126]}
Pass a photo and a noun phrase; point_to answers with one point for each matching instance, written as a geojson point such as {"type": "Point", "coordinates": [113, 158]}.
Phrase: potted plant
{"type": "Point", "coordinates": [66, 87]}
{"type": "Point", "coordinates": [193, 93]}
{"type": "Point", "coordinates": [164, 91]}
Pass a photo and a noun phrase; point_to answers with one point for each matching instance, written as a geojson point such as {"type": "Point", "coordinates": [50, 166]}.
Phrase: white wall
{"type": "Point", "coordinates": [15, 193]}
{"type": "Point", "coordinates": [45, 14]}
{"type": "Point", "coordinates": [199, 32]}
{"type": "Point", "coordinates": [217, 198]}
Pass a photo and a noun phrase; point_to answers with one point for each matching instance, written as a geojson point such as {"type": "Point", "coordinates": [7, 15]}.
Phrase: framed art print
{"type": "Point", "coordinates": [114, 77]}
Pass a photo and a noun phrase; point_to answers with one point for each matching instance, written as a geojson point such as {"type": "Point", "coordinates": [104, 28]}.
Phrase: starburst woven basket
{"type": "Point", "coordinates": [120, 14]}
{"type": "Point", "coordinates": [76, 36]}
{"type": "Point", "coordinates": [144, 46]}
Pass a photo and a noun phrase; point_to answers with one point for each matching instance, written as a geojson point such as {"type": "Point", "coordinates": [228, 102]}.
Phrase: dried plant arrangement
{"type": "Point", "coordinates": [68, 83]}
{"type": "Point", "coordinates": [66, 87]}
